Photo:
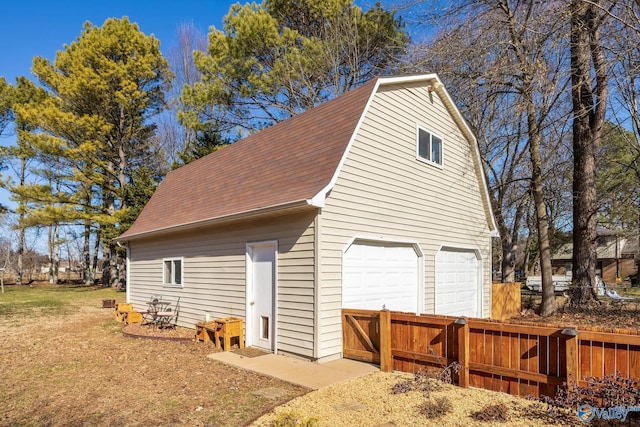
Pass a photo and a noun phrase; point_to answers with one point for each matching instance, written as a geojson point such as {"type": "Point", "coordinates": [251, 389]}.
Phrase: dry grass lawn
{"type": "Point", "coordinates": [65, 362]}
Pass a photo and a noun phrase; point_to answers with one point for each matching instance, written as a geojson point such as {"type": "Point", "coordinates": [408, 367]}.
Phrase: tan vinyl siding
{"type": "Point", "coordinates": [214, 274]}
{"type": "Point", "coordinates": [384, 192]}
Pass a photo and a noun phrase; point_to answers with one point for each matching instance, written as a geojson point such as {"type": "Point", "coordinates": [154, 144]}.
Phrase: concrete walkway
{"type": "Point", "coordinates": [296, 371]}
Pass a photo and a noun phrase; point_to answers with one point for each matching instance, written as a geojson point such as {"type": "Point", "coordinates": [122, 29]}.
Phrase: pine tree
{"type": "Point", "coordinates": [94, 125]}
{"type": "Point", "coordinates": [279, 58]}
{"type": "Point", "coordinates": [205, 143]}
{"type": "Point", "coordinates": [5, 104]}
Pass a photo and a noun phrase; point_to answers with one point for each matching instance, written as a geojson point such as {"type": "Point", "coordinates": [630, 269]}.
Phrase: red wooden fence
{"type": "Point", "coordinates": [520, 359]}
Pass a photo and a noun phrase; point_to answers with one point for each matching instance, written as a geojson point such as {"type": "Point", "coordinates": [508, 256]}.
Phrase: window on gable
{"type": "Point", "coordinates": [172, 272]}
{"type": "Point", "coordinates": [429, 147]}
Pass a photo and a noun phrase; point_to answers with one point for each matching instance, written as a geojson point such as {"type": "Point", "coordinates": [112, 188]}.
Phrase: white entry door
{"type": "Point", "coordinates": [262, 279]}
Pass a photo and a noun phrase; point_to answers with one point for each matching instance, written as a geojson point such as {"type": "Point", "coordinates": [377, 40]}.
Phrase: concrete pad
{"type": "Point", "coordinates": [300, 372]}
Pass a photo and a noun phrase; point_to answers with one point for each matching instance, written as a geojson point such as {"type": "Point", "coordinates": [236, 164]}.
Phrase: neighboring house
{"type": "Point", "coordinates": [373, 200]}
{"type": "Point", "coordinates": [616, 256]}
{"type": "Point", "coordinates": [64, 266]}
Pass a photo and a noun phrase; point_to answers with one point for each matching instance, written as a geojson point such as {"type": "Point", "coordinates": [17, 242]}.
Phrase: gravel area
{"type": "Point", "coordinates": [368, 401]}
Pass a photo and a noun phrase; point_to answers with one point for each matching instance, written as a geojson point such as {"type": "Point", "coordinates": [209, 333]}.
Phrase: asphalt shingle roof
{"type": "Point", "coordinates": [282, 165]}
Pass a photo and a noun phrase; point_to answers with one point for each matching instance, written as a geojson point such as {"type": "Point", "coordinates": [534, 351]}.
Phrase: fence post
{"type": "Point", "coordinates": [463, 351]}
{"type": "Point", "coordinates": [571, 343]}
{"type": "Point", "coordinates": [386, 359]}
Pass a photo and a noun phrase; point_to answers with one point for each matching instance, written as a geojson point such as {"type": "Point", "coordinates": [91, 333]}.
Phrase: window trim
{"type": "Point", "coordinates": [431, 136]}
{"type": "Point", "coordinates": [172, 283]}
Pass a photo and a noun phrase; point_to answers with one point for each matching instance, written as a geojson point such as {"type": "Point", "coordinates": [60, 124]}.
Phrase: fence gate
{"type": "Point", "coordinates": [361, 335]}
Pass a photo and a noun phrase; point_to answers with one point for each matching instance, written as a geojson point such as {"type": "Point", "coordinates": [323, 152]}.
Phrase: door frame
{"type": "Point", "coordinates": [249, 288]}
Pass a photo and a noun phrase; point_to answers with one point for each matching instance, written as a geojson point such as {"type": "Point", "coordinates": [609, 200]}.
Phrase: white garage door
{"type": "Point", "coordinates": [457, 283]}
{"type": "Point", "coordinates": [377, 275]}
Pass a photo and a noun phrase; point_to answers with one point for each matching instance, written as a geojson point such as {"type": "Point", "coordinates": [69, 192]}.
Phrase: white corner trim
{"type": "Point", "coordinates": [128, 273]}
{"type": "Point", "coordinates": [319, 199]}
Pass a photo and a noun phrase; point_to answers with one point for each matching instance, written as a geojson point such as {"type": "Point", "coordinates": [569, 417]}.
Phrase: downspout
{"type": "Point", "coordinates": [316, 285]}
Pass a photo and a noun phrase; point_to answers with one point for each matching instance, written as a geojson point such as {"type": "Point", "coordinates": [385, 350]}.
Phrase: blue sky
{"type": "Point", "coordinates": [40, 28]}
{"type": "Point", "coordinates": [32, 28]}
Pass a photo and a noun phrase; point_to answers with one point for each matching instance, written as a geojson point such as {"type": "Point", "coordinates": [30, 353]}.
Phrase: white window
{"type": "Point", "coordinates": [172, 271]}
{"type": "Point", "coordinates": [429, 147]}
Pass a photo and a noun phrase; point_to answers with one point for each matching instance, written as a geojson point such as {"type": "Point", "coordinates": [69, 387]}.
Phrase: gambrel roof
{"type": "Point", "coordinates": [292, 164]}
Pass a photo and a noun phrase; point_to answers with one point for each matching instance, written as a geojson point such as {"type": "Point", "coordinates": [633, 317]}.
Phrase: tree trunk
{"type": "Point", "coordinates": [119, 268]}
{"type": "Point", "coordinates": [506, 242]}
{"type": "Point", "coordinates": [21, 230]}
{"type": "Point", "coordinates": [512, 243]}
{"type": "Point", "coordinates": [96, 251]}
{"type": "Point", "coordinates": [589, 106]}
{"type": "Point", "coordinates": [56, 254]}
{"type": "Point", "coordinates": [508, 259]}
{"type": "Point", "coordinates": [69, 261]}
{"type": "Point", "coordinates": [122, 271]}
{"type": "Point", "coordinates": [86, 256]}
{"type": "Point", "coordinates": [54, 259]}
{"type": "Point", "coordinates": [50, 253]}
{"type": "Point", "coordinates": [113, 267]}
{"type": "Point", "coordinates": [548, 305]}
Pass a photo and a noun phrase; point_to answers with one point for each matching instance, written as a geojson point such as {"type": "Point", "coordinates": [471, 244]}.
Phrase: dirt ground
{"type": "Point", "coordinates": [78, 369]}
{"type": "Point", "coordinates": [602, 314]}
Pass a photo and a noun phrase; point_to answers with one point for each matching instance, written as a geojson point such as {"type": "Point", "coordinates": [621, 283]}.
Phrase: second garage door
{"type": "Point", "coordinates": [457, 282]}
{"type": "Point", "coordinates": [377, 275]}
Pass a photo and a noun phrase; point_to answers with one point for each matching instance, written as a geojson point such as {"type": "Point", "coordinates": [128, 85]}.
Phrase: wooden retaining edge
{"type": "Point", "coordinates": [155, 338]}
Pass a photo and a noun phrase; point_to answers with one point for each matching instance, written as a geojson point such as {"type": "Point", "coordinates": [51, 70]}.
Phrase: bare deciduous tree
{"type": "Point", "coordinates": [6, 253]}
{"type": "Point", "coordinates": [172, 135]}
{"type": "Point", "coordinates": [506, 57]}
{"type": "Point", "coordinates": [589, 91]}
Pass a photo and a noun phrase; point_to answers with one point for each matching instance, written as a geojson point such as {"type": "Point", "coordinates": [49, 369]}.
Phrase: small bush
{"type": "Point", "coordinates": [496, 413]}
{"type": "Point", "coordinates": [294, 419]}
{"type": "Point", "coordinates": [420, 382]}
{"type": "Point", "coordinates": [610, 391]}
{"type": "Point", "coordinates": [426, 382]}
{"type": "Point", "coordinates": [436, 408]}
{"type": "Point", "coordinates": [447, 372]}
